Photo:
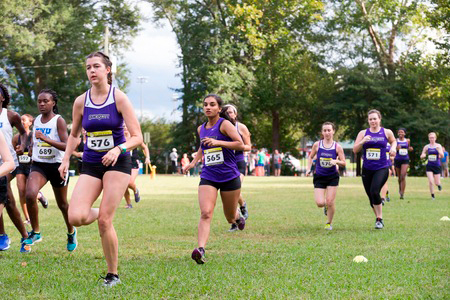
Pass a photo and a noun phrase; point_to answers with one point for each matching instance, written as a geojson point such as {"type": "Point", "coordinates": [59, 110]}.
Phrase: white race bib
{"type": "Point", "coordinates": [388, 156]}
{"type": "Point", "coordinates": [45, 151]}
{"type": "Point", "coordinates": [432, 157]}
{"type": "Point", "coordinates": [373, 154]}
{"type": "Point", "coordinates": [403, 151]}
{"type": "Point", "coordinates": [100, 141]}
{"type": "Point", "coordinates": [325, 162]}
{"type": "Point", "coordinates": [213, 156]}
{"type": "Point", "coordinates": [24, 159]}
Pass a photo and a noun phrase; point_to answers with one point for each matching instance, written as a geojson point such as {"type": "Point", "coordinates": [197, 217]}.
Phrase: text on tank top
{"type": "Point", "coordinates": [324, 167]}
{"type": "Point", "coordinates": [104, 127]}
{"type": "Point", "coordinates": [374, 154]}
{"type": "Point", "coordinates": [6, 128]}
{"type": "Point", "coordinates": [42, 151]}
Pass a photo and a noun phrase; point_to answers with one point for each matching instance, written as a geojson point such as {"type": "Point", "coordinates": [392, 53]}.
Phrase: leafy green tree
{"type": "Point", "coordinates": [46, 43]}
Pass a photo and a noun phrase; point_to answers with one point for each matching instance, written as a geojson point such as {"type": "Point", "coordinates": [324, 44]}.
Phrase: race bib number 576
{"type": "Point", "coordinates": [100, 140]}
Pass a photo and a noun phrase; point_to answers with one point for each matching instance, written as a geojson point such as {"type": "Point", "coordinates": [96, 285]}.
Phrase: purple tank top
{"type": "Point", "coordinates": [374, 151]}
{"type": "Point", "coordinates": [104, 127]}
{"type": "Point", "coordinates": [402, 153]}
{"type": "Point", "coordinates": [388, 156]}
{"type": "Point", "coordinates": [433, 157]}
{"type": "Point", "coordinates": [324, 157]}
{"type": "Point", "coordinates": [219, 163]}
{"type": "Point", "coordinates": [239, 154]}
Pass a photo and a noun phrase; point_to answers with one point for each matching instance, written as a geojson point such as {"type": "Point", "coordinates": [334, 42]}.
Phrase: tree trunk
{"type": "Point", "coordinates": [275, 130]}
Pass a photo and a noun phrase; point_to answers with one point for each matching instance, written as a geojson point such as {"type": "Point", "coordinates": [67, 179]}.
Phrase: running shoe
{"type": "Point", "coordinates": [27, 222]}
{"type": "Point", "coordinates": [382, 201]}
{"type": "Point", "coordinates": [401, 197]}
{"type": "Point", "coordinates": [199, 255]}
{"type": "Point", "coordinates": [110, 280]}
{"type": "Point", "coordinates": [137, 197]}
{"type": "Point", "coordinates": [43, 200]}
{"type": "Point", "coordinates": [233, 228]}
{"type": "Point", "coordinates": [328, 226]}
{"type": "Point", "coordinates": [4, 242]}
{"type": "Point", "coordinates": [379, 224]}
{"type": "Point", "coordinates": [440, 187]}
{"type": "Point", "coordinates": [24, 248]}
{"type": "Point", "coordinates": [129, 206]}
{"type": "Point", "coordinates": [241, 223]}
{"type": "Point", "coordinates": [33, 237]}
{"type": "Point", "coordinates": [244, 211]}
{"type": "Point", "coordinates": [72, 240]}
{"type": "Point", "coordinates": [387, 196]}
{"type": "Point", "coordinates": [325, 210]}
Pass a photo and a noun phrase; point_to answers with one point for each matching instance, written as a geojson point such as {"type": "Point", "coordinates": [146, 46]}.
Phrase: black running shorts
{"type": "Point", "coordinates": [50, 172]}
{"type": "Point", "coordinates": [232, 185]}
{"type": "Point", "coordinates": [98, 170]}
{"type": "Point", "coordinates": [321, 182]}
{"type": "Point", "coordinates": [241, 166]}
{"type": "Point", "coordinates": [435, 169]}
{"type": "Point", "coordinates": [398, 163]}
{"type": "Point", "coordinates": [3, 190]}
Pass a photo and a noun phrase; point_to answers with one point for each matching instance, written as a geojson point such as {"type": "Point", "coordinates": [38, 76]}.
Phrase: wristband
{"type": "Point", "coordinates": [122, 148]}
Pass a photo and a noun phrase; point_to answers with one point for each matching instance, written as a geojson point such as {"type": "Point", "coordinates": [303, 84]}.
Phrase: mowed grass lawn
{"type": "Point", "coordinates": [284, 251]}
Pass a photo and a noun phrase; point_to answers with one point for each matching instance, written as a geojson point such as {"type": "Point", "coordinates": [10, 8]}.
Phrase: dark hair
{"type": "Point", "coordinates": [217, 97]}
{"type": "Point", "coordinates": [329, 123]}
{"type": "Point", "coordinates": [30, 117]}
{"type": "Point", "coordinates": [224, 114]}
{"type": "Point", "coordinates": [54, 97]}
{"type": "Point", "coordinates": [404, 130]}
{"type": "Point", "coordinates": [106, 61]}
{"type": "Point", "coordinates": [5, 94]}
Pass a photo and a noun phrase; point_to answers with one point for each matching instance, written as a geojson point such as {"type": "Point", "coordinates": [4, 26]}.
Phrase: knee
{"type": "Point", "coordinates": [206, 215]}
{"type": "Point", "coordinates": [330, 203]}
{"type": "Point", "coordinates": [30, 197]}
{"type": "Point", "coordinates": [76, 220]}
{"type": "Point", "coordinates": [320, 203]}
{"type": "Point", "coordinates": [63, 206]}
{"type": "Point", "coordinates": [104, 224]}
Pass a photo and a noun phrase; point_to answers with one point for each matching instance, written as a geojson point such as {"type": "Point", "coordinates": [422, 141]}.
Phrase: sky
{"type": "Point", "coordinates": [153, 54]}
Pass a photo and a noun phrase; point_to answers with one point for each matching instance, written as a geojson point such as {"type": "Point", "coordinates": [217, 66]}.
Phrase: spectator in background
{"type": "Point", "coordinates": [252, 161]}
{"type": "Point", "coordinates": [184, 162]}
{"type": "Point", "coordinates": [444, 164]}
{"type": "Point", "coordinates": [267, 164]}
{"type": "Point", "coordinates": [277, 162]}
{"type": "Point", "coordinates": [196, 167]}
{"type": "Point", "coordinates": [261, 158]}
{"type": "Point", "coordinates": [174, 159]}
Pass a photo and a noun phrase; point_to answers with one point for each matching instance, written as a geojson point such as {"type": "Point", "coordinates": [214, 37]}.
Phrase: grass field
{"type": "Point", "coordinates": [284, 252]}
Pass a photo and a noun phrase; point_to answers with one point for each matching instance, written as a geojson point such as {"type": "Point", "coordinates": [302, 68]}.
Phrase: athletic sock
{"type": "Point", "coordinates": [379, 219]}
{"type": "Point", "coordinates": [432, 195]}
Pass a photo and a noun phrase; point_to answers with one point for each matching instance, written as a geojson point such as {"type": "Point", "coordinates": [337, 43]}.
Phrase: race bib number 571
{"type": "Point", "coordinates": [373, 154]}
{"type": "Point", "coordinates": [213, 156]}
{"type": "Point", "coordinates": [100, 140]}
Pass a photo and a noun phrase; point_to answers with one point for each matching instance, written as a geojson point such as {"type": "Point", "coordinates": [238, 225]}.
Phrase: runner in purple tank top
{"type": "Point", "coordinates": [326, 177]}
{"type": "Point", "coordinates": [401, 160]}
{"type": "Point", "coordinates": [375, 170]}
{"type": "Point", "coordinates": [219, 140]}
{"type": "Point", "coordinates": [230, 112]}
{"type": "Point", "coordinates": [385, 189]}
{"type": "Point", "coordinates": [106, 166]}
{"type": "Point", "coordinates": [433, 151]}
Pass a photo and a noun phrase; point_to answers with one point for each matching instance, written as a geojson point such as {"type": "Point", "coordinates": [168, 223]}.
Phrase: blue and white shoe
{"type": "Point", "coordinates": [72, 240]}
{"type": "Point", "coordinates": [33, 237]}
{"type": "Point", "coordinates": [4, 242]}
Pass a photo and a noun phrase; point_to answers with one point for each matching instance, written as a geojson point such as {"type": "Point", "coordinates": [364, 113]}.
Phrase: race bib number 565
{"type": "Point", "coordinates": [213, 156]}
{"type": "Point", "coordinates": [100, 140]}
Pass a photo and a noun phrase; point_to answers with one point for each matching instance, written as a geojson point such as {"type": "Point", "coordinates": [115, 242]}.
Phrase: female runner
{"type": "Point", "coordinates": [434, 152]}
{"type": "Point", "coordinates": [106, 166]}
{"type": "Point", "coordinates": [230, 112]}
{"type": "Point", "coordinates": [8, 120]}
{"type": "Point", "coordinates": [401, 160]}
{"type": "Point", "coordinates": [219, 139]}
{"type": "Point", "coordinates": [24, 168]}
{"type": "Point", "coordinates": [375, 169]}
{"type": "Point", "coordinates": [135, 171]}
{"type": "Point", "coordinates": [49, 144]}
{"type": "Point", "coordinates": [326, 177]}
